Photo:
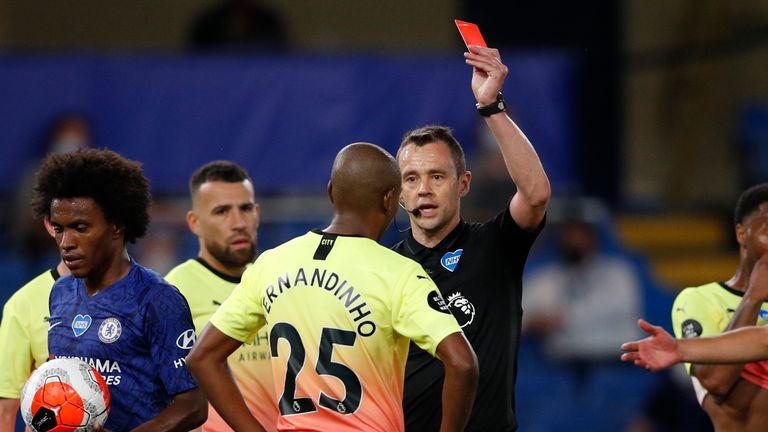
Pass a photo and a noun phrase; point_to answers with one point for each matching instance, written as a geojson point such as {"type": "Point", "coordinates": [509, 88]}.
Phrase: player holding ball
{"type": "Point", "coordinates": [111, 312]}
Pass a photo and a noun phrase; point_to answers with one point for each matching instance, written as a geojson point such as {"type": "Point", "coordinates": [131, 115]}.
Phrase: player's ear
{"type": "Point", "coordinates": [390, 200]}
{"type": "Point", "coordinates": [330, 191]}
{"type": "Point", "coordinates": [192, 221]}
{"type": "Point", "coordinates": [741, 235]}
{"type": "Point", "coordinates": [117, 231]}
{"type": "Point", "coordinates": [257, 210]}
{"type": "Point", "coordinates": [48, 226]}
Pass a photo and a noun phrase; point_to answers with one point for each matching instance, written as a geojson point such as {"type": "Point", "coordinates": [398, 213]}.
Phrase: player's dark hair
{"type": "Point", "coordinates": [432, 133]}
{"type": "Point", "coordinates": [749, 201]}
{"type": "Point", "coordinates": [116, 184]}
{"type": "Point", "coordinates": [220, 170]}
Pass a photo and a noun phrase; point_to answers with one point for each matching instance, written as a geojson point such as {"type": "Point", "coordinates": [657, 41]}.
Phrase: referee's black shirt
{"type": "Point", "coordinates": [478, 268]}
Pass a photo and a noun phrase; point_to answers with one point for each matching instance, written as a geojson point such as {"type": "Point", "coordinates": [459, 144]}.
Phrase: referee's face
{"type": "Point", "coordinates": [225, 217]}
{"type": "Point", "coordinates": [432, 185]}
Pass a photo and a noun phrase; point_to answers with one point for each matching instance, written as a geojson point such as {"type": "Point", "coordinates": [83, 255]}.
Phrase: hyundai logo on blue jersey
{"type": "Point", "coordinates": [80, 324]}
{"type": "Point", "coordinates": [451, 259]}
{"type": "Point", "coordinates": [186, 339]}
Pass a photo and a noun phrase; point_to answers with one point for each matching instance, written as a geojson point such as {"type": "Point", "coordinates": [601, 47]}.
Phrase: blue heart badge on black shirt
{"type": "Point", "coordinates": [451, 259]}
{"type": "Point", "coordinates": [80, 324]}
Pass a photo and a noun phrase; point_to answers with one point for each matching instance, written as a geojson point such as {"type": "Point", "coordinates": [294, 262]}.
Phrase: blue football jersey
{"type": "Point", "coordinates": [136, 333]}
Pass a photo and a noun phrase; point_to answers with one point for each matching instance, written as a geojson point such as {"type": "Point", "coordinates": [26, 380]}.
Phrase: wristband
{"type": "Point", "coordinates": [493, 108]}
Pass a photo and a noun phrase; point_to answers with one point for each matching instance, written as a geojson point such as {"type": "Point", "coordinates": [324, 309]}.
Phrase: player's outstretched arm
{"type": "Point", "coordinates": [533, 190]}
{"type": "Point", "coordinates": [460, 382]}
{"type": "Point", "coordinates": [719, 379]}
{"type": "Point", "coordinates": [8, 410]}
{"type": "Point", "coordinates": [661, 350]}
{"type": "Point", "coordinates": [208, 363]}
{"type": "Point", "coordinates": [658, 351]}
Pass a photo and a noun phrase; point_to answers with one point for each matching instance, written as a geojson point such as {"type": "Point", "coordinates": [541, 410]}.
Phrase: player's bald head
{"type": "Point", "coordinates": [362, 174]}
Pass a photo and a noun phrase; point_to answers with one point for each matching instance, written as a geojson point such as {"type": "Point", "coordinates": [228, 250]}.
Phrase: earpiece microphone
{"type": "Point", "coordinates": [416, 212]}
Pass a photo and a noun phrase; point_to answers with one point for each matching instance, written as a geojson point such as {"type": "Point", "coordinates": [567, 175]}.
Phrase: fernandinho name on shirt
{"type": "Point", "coordinates": [331, 282]}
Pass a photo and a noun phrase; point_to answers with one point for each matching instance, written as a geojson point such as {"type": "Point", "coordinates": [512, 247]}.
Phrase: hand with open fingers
{"type": "Point", "coordinates": [488, 73]}
{"type": "Point", "coordinates": [657, 351]}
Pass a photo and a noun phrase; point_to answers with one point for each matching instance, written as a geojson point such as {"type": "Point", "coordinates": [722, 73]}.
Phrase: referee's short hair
{"type": "Point", "coordinates": [432, 133]}
{"type": "Point", "coordinates": [749, 201]}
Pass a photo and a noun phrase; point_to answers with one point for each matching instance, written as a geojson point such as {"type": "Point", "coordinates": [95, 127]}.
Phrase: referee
{"type": "Point", "coordinates": [477, 266]}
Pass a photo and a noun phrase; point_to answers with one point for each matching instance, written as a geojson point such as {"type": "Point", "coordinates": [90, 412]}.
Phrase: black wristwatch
{"type": "Point", "coordinates": [493, 108]}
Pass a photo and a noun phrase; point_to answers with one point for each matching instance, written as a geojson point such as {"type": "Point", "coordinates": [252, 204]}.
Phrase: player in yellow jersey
{"type": "Point", "coordinates": [340, 310]}
{"type": "Point", "coordinates": [735, 396]}
{"type": "Point", "coordinates": [224, 217]}
{"type": "Point", "coordinates": [24, 338]}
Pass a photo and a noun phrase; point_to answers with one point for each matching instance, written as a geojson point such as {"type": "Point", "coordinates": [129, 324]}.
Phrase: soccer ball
{"type": "Point", "coordinates": [64, 395]}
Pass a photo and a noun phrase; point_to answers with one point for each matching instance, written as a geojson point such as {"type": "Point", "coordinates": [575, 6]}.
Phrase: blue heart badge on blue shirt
{"type": "Point", "coordinates": [80, 324]}
{"type": "Point", "coordinates": [451, 259]}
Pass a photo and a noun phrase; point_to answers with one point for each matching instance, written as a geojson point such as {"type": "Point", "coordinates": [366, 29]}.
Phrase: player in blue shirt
{"type": "Point", "coordinates": [122, 318]}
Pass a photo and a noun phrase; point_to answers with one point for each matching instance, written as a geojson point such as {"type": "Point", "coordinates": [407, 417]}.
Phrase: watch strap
{"type": "Point", "coordinates": [493, 108]}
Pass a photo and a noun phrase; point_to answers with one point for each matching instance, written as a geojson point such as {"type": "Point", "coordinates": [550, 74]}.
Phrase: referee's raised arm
{"type": "Point", "coordinates": [529, 204]}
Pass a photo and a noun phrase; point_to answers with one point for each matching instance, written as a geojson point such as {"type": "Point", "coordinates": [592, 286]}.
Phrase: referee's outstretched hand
{"type": "Point", "coordinates": [658, 351]}
{"type": "Point", "coordinates": [488, 73]}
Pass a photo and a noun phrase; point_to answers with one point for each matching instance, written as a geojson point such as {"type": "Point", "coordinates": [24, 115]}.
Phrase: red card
{"type": "Point", "coordinates": [470, 33]}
